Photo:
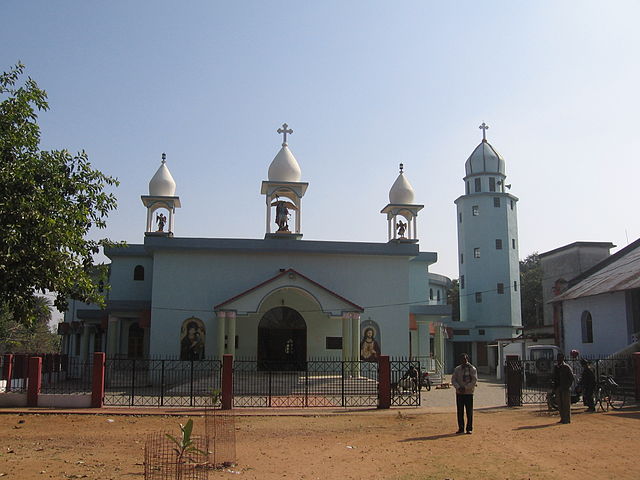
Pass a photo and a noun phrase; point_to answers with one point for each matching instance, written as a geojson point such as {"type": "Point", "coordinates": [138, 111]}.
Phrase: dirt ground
{"type": "Point", "coordinates": [406, 444]}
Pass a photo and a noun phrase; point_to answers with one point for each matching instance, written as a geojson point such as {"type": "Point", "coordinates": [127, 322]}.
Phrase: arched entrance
{"type": "Point", "coordinates": [282, 340]}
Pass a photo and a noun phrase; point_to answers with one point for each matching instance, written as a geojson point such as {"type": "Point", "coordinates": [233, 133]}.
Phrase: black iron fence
{"type": "Point", "coordinates": [66, 375]}
{"type": "Point", "coordinates": [530, 381]}
{"type": "Point", "coordinates": [405, 382]}
{"type": "Point", "coordinates": [161, 382]}
{"type": "Point", "coordinates": [322, 383]}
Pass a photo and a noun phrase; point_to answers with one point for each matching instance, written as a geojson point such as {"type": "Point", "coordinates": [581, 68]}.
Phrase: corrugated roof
{"type": "Point", "coordinates": [611, 275]}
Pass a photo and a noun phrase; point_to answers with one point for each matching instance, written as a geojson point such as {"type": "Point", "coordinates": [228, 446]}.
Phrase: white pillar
{"type": "Point", "coordinates": [355, 336]}
{"type": "Point", "coordinates": [298, 215]}
{"type": "Point", "coordinates": [231, 333]}
{"type": "Point", "coordinates": [346, 339]}
{"type": "Point", "coordinates": [268, 198]}
{"type": "Point", "coordinates": [424, 348]}
{"type": "Point", "coordinates": [221, 333]}
{"type": "Point", "coordinates": [415, 227]}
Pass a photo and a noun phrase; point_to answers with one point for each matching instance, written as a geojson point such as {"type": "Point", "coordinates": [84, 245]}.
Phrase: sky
{"type": "Point", "coordinates": [365, 85]}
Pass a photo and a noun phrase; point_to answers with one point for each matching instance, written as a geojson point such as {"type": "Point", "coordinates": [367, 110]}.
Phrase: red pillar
{"type": "Point", "coordinates": [35, 381]}
{"type": "Point", "coordinates": [227, 382]}
{"type": "Point", "coordinates": [636, 367]}
{"type": "Point", "coordinates": [97, 380]}
{"type": "Point", "coordinates": [7, 370]}
{"type": "Point", "coordinates": [384, 382]}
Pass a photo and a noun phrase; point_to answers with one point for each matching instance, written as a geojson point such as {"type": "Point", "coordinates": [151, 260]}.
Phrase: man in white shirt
{"type": "Point", "coordinates": [464, 379]}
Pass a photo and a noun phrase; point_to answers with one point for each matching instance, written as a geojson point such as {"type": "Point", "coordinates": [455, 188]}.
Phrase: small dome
{"type": "Point", "coordinates": [284, 167]}
{"type": "Point", "coordinates": [162, 184]}
{"type": "Point", "coordinates": [484, 159]}
{"type": "Point", "coordinates": [401, 192]}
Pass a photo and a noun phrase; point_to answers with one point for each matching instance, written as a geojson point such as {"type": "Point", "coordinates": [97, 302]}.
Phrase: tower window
{"type": "Point", "coordinates": [481, 331]}
{"type": "Point", "coordinates": [512, 204]}
{"type": "Point", "coordinates": [496, 202]}
{"type": "Point", "coordinates": [461, 258]}
{"type": "Point", "coordinates": [498, 244]}
{"type": "Point", "coordinates": [515, 286]}
{"type": "Point", "coordinates": [467, 192]}
{"type": "Point", "coordinates": [431, 294]}
{"type": "Point", "coordinates": [500, 288]}
{"type": "Point", "coordinates": [475, 210]}
{"type": "Point", "coordinates": [438, 295]}
{"type": "Point", "coordinates": [477, 185]}
{"type": "Point", "coordinates": [513, 243]}
{"type": "Point", "coordinates": [476, 252]}
{"type": "Point", "coordinates": [138, 273]}
{"type": "Point", "coordinates": [492, 184]}
{"type": "Point", "coordinates": [461, 281]}
{"type": "Point", "coordinates": [460, 217]}
{"type": "Point", "coordinates": [478, 297]}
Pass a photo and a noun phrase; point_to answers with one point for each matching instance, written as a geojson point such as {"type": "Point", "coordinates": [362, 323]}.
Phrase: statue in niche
{"type": "Point", "coordinates": [161, 219]}
{"type": "Point", "coordinates": [402, 227]}
{"type": "Point", "coordinates": [282, 214]}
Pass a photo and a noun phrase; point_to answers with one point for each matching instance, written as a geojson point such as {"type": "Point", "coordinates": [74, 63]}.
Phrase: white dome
{"type": "Point", "coordinates": [401, 192]}
{"type": "Point", "coordinates": [485, 159]}
{"type": "Point", "coordinates": [284, 167]}
{"type": "Point", "coordinates": [162, 184]}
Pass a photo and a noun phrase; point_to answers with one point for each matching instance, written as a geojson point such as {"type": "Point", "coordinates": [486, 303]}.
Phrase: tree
{"type": "Point", "coordinates": [531, 291]}
{"type": "Point", "coordinates": [453, 299]}
{"type": "Point", "coordinates": [49, 201]}
{"type": "Point", "coordinates": [35, 338]}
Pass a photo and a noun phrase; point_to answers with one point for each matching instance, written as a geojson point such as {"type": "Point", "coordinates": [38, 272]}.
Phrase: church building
{"type": "Point", "coordinates": [280, 299]}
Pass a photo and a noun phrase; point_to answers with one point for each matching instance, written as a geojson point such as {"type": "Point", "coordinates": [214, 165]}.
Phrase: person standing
{"type": "Point", "coordinates": [464, 379]}
{"type": "Point", "coordinates": [588, 384]}
{"type": "Point", "coordinates": [562, 380]}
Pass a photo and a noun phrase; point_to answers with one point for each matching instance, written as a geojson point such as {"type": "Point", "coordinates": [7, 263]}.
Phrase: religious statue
{"type": "Point", "coordinates": [162, 221]}
{"type": "Point", "coordinates": [369, 346]}
{"type": "Point", "coordinates": [282, 214]}
{"type": "Point", "coordinates": [401, 226]}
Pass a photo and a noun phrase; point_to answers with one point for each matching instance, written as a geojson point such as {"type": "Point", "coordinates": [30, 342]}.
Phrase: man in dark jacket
{"type": "Point", "coordinates": [562, 380]}
{"type": "Point", "coordinates": [588, 384]}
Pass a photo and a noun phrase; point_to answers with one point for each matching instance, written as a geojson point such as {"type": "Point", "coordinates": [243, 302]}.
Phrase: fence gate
{"type": "Point", "coordinates": [405, 382]}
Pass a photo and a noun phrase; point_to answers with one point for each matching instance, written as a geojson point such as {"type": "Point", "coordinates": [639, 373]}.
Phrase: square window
{"type": "Point", "coordinates": [333, 343]}
{"type": "Point", "coordinates": [478, 297]}
{"type": "Point", "coordinates": [500, 288]}
{"type": "Point", "coordinates": [475, 210]}
{"type": "Point", "coordinates": [498, 244]}
{"type": "Point", "coordinates": [492, 184]}
{"type": "Point", "coordinates": [478, 185]}
{"type": "Point", "coordinates": [476, 252]}
{"type": "Point", "coordinates": [481, 331]}
{"type": "Point", "coordinates": [496, 202]}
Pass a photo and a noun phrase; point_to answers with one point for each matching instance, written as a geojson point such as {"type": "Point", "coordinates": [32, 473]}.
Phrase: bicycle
{"type": "Point", "coordinates": [609, 394]}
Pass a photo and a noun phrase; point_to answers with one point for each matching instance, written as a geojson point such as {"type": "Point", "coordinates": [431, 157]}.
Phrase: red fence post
{"type": "Point", "coordinates": [227, 382]}
{"type": "Point", "coordinates": [35, 381]}
{"type": "Point", "coordinates": [97, 380]}
{"type": "Point", "coordinates": [7, 370]}
{"type": "Point", "coordinates": [384, 382]}
{"type": "Point", "coordinates": [636, 367]}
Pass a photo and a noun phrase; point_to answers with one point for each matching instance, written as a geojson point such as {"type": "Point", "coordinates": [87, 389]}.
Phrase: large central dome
{"type": "Point", "coordinates": [484, 159]}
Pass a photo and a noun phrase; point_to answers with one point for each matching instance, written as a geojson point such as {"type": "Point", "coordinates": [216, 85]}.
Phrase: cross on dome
{"type": "Point", "coordinates": [284, 130]}
{"type": "Point", "coordinates": [484, 128]}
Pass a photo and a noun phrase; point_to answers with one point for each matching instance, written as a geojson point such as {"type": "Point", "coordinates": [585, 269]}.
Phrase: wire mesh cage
{"type": "Point", "coordinates": [220, 434]}
{"type": "Point", "coordinates": [163, 460]}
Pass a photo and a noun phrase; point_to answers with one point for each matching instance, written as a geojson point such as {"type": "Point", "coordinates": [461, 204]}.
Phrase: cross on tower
{"type": "Point", "coordinates": [284, 130]}
{"type": "Point", "coordinates": [484, 128]}
{"type": "Point", "coordinates": [164, 157]}
{"type": "Point", "coordinates": [401, 167]}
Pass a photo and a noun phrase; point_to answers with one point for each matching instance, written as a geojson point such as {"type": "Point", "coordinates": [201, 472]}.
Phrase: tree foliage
{"type": "Point", "coordinates": [36, 337]}
{"type": "Point", "coordinates": [49, 201]}
{"type": "Point", "coordinates": [531, 290]}
{"type": "Point", "coordinates": [453, 299]}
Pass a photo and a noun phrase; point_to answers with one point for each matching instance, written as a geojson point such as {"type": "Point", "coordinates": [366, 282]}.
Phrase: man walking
{"type": "Point", "coordinates": [464, 379]}
{"type": "Point", "coordinates": [562, 381]}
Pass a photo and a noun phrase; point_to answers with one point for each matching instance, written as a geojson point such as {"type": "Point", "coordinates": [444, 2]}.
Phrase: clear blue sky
{"type": "Point", "coordinates": [365, 85]}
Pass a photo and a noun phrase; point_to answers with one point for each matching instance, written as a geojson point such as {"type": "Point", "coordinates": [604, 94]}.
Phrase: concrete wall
{"type": "Point", "coordinates": [609, 323]}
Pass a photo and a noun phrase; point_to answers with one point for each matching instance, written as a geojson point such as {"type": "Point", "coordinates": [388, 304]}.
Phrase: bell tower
{"type": "Point", "coordinates": [161, 201]}
{"type": "Point", "coordinates": [283, 192]}
{"type": "Point", "coordinates": [400, 207]}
